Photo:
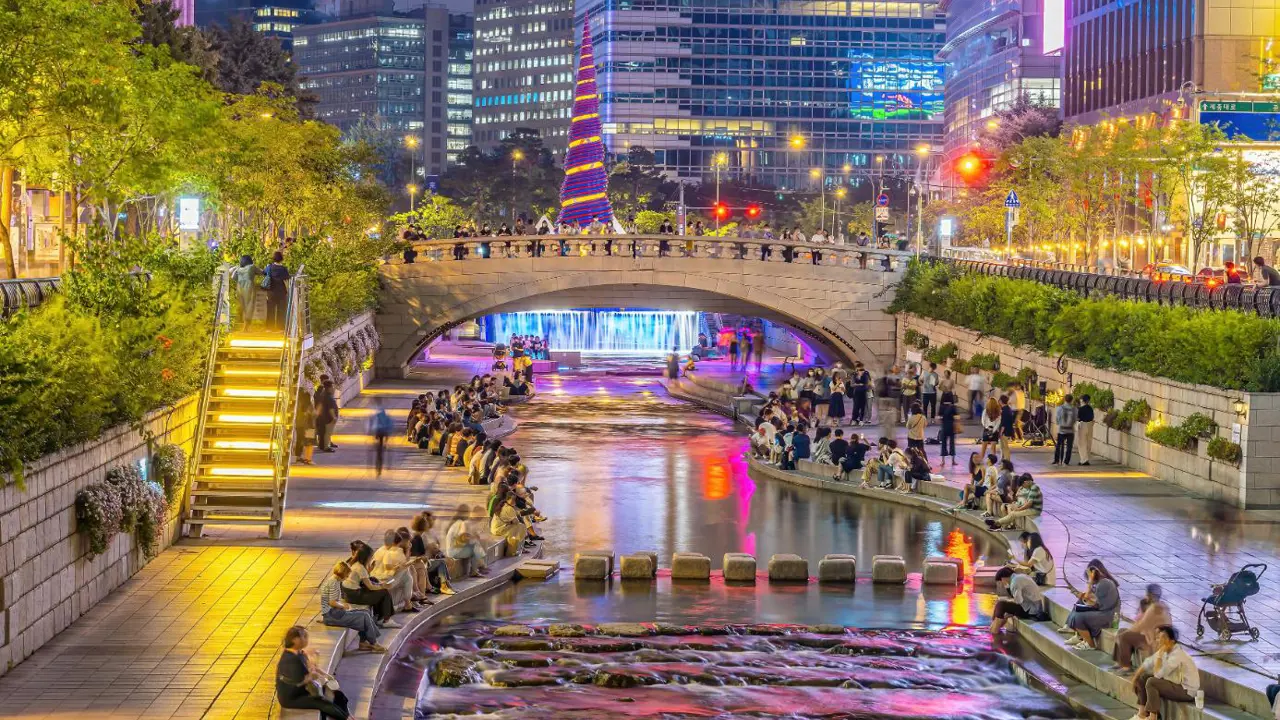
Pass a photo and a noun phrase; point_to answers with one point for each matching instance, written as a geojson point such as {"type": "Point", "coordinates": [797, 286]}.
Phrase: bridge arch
{"type": "Point", "coordinates": [836, 304]}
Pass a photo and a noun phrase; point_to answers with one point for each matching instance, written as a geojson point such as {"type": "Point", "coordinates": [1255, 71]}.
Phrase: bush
{"type": "Point", "coordinates": [122, 502]}
{"type": "Point", "coordinates": [959, 366]}
{"type": "Point", "coordinates": [1001, 380]}
{"type": "Point", "coordinates": [1174, 436]}
{"type": "Point", "coordinates": [1027, 377]}
{"type": "Point", "coordinates": [941, 354]}
{"type": "Point", "coordinates": [1134, 411]}
{"type": "Point", "coordinates": [1199, 425]}
{"type": "Point", "coordinates": [169, 468]}
{"type": "Point", "coordinates": [985, 361]}
{"type": "Point", "coordinates": [1102, 399]}
{"type": "Point", "coordinates": [1227, 349]}
{"type": "Point", "coordinates": [914, 339]}
{"type": "Point", "coordinates": [1223, 449]}
{"type": "Point", "coordinates": [649, 221]}
{"type": "Point", "coordinates": [98, 515]}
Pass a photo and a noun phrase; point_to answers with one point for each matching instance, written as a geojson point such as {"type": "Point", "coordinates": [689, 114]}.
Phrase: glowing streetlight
{"type": "Point", "coordinates": [993, 124]}
{"type": "Point", "coordinates": [797, 142]}
{"type": "Point", "coordinates": [413, 192]}
{"type": "Point", "coordinates": [719, 161]}
{"type": "Point", "coordinates": [922, 149]}
{"type": "Point", "coordinates": [411, 142]}
{"type": "Point", "coordinates": [835, 222]}
{"type": "Point", "coordinates": [847, 168]}
{"type": "Point", "coordinates": [815, 173]}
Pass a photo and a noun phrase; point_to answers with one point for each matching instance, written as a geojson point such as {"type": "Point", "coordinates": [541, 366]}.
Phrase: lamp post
{"type": "Point", "coordinates": [799, 142]}
{"type": "Point", "coordinates": [516, 156]}
{"type": "Point", "coordinates": [718, 161]}
{"type": "Point", "coordinates": [413, 191]}
{"type": "Point", "coordinates": [835, 225]}
{"type": "Point", "coordinates": [411, 142]}
{"type": "Point", "coordinates": [875, 224]}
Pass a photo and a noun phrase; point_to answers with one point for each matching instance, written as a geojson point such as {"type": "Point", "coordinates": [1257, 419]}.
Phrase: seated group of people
{"type": "Point", "coordinates": [1001, 494]}
{"type": "Point", "coordinates": [439, 422]}
{"type": "Point", "coordinates": [536, 347]}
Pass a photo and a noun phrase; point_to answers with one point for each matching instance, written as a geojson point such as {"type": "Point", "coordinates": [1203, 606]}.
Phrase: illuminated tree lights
{"type": "Point", "coordinates": [584, 196]}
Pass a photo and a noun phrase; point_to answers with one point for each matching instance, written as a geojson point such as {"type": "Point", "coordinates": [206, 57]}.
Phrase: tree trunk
{"type": "Point", "coordinates": [6, 216]}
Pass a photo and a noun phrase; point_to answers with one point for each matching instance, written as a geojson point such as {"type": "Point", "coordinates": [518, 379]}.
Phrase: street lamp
{"type": "Point", "coordinates": [413, 191]}
{"type": "Point", "coordinates": [835, 226]}
{"type": "Point", "coordinates": [718, 161]}
{"type": "Point", "coordinates": [516, 156]}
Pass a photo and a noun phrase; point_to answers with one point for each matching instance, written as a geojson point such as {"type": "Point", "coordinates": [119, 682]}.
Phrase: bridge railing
{"type": "Point", "coordinates": [654, 246]}
{"type": "Point", "coordinates": [24, 293]}
{"type": "Point", "coordinates": [1246, 298]}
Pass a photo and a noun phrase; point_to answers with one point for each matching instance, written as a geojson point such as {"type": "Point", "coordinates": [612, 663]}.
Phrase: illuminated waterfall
{"type": "Point", "coordinates": [634, 331]}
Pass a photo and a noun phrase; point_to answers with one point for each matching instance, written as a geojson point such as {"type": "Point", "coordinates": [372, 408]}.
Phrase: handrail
{"type": "Point", "coordinates": [282, 412]}
{"type": "Point", "coordinates": [221, 324]}
{"type": "Point", "coordinates": [24, 293]}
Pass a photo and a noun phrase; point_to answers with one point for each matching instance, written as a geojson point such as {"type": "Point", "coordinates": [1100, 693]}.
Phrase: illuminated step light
{"type": "Point", "coordinates": [248, 419]}
{"type": "Point", "coordinates": [256, 472]}
{"type": "Point", "coordinates": [249, 392]}
{"type": "Point", "coordinates": [249, 372]}
{"type": "Point", "coordinates": [256, 343]}
{"type": "Point", "coordinates": [241, 445]}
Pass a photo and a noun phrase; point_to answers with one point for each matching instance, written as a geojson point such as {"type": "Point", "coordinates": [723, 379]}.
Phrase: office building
{"type": "Point", "coordinates": [389, 68]}
{"type": "Point", "coordinates": [784, 90]}
{"type": "Point", "coordinates": [524, 55]}
{"type": "Point", "coordinates": [1139, 57]}
{"type": "Point", "coordinates": [997, 51]}
{"type": "Point", "coordinates": [273, 18]}
{"type": "Point", "coordinates": [186, 12]}
{"type": "Point", "coordinates": [458, 90]}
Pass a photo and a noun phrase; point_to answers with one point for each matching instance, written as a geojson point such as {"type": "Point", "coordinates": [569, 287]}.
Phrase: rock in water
{"type": "Point", "coordinates": [566, 630]}
{"type": "Point", "coordinates": [513, 631]}
{"type": "Point", "coordinates": [454, 671]}
{"type": "Point", "coordinates": [623, 629]}
{"type": "Point", "coordinates": [826, 629]}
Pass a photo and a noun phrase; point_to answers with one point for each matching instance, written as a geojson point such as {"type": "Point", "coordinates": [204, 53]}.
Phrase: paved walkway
{"type": "Point", "coordinates": [197, 632]}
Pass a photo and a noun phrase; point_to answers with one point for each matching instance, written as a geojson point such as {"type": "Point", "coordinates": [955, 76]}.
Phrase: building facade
{"type": "Point", "coordinates": [391, 69]}
{"type": "Point", "coordinates": [524, 54]}
{"type": "Point", "coordinates": [1143, 56]}
{"type": "Point", "coordinates": [998, 51]}
{"type": "Point", "coordinates": [787, 94]}
{"type": "Point", "coordinates": [273, 18]}
{"type": "Point", "coordinates": [458, 90]}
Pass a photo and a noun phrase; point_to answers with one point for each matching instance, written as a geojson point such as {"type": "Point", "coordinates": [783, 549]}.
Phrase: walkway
{"type": "Point", "coordinates": [197, 632]}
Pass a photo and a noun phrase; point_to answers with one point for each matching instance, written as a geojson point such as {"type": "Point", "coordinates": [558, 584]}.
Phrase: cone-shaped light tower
{"type": "Point", "coordinates": [584, 195]}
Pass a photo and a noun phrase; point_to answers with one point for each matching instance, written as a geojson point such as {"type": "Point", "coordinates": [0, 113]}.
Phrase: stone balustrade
{"type": "Point", "coordinates": [655, 246]}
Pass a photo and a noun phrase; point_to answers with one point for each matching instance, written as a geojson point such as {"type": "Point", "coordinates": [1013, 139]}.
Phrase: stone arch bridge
{"type": "Point", "coordinates": [834, 296]}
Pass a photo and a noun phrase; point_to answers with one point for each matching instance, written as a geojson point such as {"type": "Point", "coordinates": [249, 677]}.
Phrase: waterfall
{"type": "Point", "coordinates": [635, 331]}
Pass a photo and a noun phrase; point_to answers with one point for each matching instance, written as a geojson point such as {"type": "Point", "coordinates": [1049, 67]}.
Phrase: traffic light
{"type": "Point", "coordinates": [754, 212]}
{"type": "Point", "coordinates": [971, 167]}
{"type": "Point", "coordinates": [720, 210]}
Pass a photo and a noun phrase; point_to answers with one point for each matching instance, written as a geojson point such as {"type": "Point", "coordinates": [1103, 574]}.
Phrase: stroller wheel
{"type": "Point", "coordinates": [1199, 631]}
{"type": "Point", "coordinates": [1254, 633]}
{"type": "Point", "coordinates": [1224, 635]}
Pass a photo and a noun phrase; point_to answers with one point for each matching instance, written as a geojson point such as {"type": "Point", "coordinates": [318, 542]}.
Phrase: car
{"type": "Point", "coordinates": [1168, 271]}
{"type": "Point", "coordinates": [1214, 277]}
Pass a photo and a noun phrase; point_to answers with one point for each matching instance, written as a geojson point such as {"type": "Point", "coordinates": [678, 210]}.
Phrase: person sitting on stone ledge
{"type": "Point", "coordinates": [822, 446]}
{"type": "Point", "coordinates": [1003, 491]}
{"type": "Point", "coordinates": [336, 612]}
{"type": "Point", "coordinates": [1037, 561]}
{"type": "Point", "coordinates": [974, 492]}
{"type": "Point", "coordinates": [1169, 674]}
{"type": "Point", "coordinates": [505, 521]}
{"type": "Point", "coordinates": [390, 569]}
{"type": "Point", "coordinates": [1030, 504]}
{"type": "Point", "coordinates": [464, 545]}
{"type": "Point", "coordinates": [359, 588]}
{"type": "Point", "coordinates": [1153, 613]}
{"type": "Point", "coordinates": [1095, 608]}
{"type": "Point", "coordinates": [424, 548]}
{"type": "Point", "coordinates": [1026, 600]}
{"type": "Point", "coordinates": [302, 685]}
{"type": "Point", "coordinates": [853, 457]}
{"type": "Point", "coordinates": [918, 470]}
{"type": "Point", "coordinates": [893, 465]}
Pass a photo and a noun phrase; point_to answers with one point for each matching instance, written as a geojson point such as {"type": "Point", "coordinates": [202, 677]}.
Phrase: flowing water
{"type": "Point", "coordinates": [631, 331]}
{"type": "Point", "coordinates": [622, 466]}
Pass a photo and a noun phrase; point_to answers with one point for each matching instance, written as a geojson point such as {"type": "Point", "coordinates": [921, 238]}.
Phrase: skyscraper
{"type": "Point", "coordinates": [273, 18]}
{"type": "Point", "coordinates": [459, 91]}
{"type": "Point", "coordinates": [998, 51]}
{"type": "Point", "coordinates": [389, 68]}
{"type": "Point", "coordinates": [523, 69]}
{"type": "Point", "coordinates": [793, 93]}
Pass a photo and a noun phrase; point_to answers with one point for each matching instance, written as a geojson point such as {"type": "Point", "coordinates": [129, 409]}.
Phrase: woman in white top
{"type": "Point", "coordinates": [990, 428]}
{"type": "Point", "coordinates": [463, 544]}
{"type": "Point", "coordinates": [390, 569]}
{"type": "Point", "coordinates": [1169, 674]}
{"type": "Point", "coordinates": [1038, 563]}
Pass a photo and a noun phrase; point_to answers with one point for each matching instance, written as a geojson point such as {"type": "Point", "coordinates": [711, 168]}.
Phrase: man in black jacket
{"type": "Point", "coordinates": [839, 446]}
{"type": "Point", "coordinates": [1008, 423]}
{"type": "Point", "coordinates": [326, 408]}
{"type": "Point", "coordinates": [1084, 429]}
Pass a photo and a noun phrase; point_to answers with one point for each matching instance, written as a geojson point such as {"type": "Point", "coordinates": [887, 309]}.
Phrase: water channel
{"type": "Point", "coordinates": [622, 466]}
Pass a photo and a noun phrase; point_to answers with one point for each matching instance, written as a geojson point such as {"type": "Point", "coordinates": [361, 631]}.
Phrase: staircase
{"type": "Point", "coordinates": [240, 468]}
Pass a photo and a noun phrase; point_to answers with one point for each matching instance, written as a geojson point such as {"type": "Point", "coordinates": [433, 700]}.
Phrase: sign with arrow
{"type": "Point", "coordinates": [1011, 200]}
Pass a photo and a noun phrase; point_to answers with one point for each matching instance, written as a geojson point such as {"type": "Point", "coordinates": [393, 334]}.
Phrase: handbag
{"type": "Point", "coordinates": [266, 282]}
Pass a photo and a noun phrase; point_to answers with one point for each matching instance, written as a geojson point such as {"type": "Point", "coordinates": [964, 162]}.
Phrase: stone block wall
{"type": "Point", "coordinates": [351, 386]}
{"type": "Point", "coordinates": [46, 580]}
{"type": "Point", "coordinates": [1256, 483]}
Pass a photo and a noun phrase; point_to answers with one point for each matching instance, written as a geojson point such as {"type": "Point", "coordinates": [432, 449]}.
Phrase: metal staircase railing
{"type": "Point", "coordinates": [296, 327]}
{"type": "Point", "coordinates": [221, 325]}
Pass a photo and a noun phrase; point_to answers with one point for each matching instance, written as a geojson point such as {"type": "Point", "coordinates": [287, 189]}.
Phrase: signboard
{"type": "Point", "coordinates": [882, 214]}
{"type": "Point", "coordinates": [882, 200]}
{"type": "Point", "coordinates": [947, 227]}
{"type": "Point", "coordinates": [1243, 119]}
{"type": "Point", "coordinates": [1011, 200]}
{"type": "Point", "coordinates": [189, 213]}
{"type": "Point", "coordinates": [433, 183]}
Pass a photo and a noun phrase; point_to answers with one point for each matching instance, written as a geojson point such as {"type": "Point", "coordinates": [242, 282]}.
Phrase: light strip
{"type": "Point", "coordinates": [256, 343]}
{"type": "Point", "coordinates": [251, 373]}
{"type": "Point", "coordinates": [584, 141]}
{"type": "Point", "coordinates": [584, 198]}
{"type": "Point", "coordinates": [241, 445]}
{"type": "Point", "coordinates": [588, 116]}
{"type": "Point", "coordinates": [583, 168]}
{"type": "Point", "coordinates": [584, 81]}
{"type": "Point", "coordinates": [249, 393]}
{"type": "Point", "coordinates": [248, 419]}
{"type": "Point", "coordinates": [244, 471]}
{"type": "Point", "coordinates": [582, 98]}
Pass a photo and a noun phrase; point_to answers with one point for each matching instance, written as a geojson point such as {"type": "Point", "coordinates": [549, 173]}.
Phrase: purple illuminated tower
{"type": "Point", "coordinates": [584, 195]}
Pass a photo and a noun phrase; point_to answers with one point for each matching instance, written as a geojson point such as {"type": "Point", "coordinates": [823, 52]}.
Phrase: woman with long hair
{"type": "Point", "coordinates": [1095, 608]}
{"type": "Point", "coordinates": [1037, 561]}
{"type": "Point", "coordinates": [990, 427]}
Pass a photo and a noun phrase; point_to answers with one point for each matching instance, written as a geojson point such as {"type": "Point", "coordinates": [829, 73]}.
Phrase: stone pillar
{"type": "Point", "coordinates": [701, 248]}
{"type": "Point", "coordinates": [775, 253]}
{"type": "Point", "coordinates": [802, 255]}
{"type": "Point", "coordinates": [473, 250]}
{"type": "Point", "coordinates": [751, 251]}
{"type": "Point", "coordinates": [498, 249]}
{"type": "Point", "coordinates": [572, 247]}
{"type": "Point", "coordinates": [597, 246]}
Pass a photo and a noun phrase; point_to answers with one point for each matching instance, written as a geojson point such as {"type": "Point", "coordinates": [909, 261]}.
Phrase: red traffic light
{"type": "Point", "coordinates": [754, 212]}
{"type": "Point", "coordinates": [720, 210]}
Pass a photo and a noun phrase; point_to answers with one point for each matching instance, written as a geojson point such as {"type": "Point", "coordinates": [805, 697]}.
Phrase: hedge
{"type": "Point", "coordinates": [1221, 348]}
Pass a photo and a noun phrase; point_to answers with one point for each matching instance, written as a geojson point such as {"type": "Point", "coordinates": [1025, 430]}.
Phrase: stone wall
{"type": "Point", "coordinates": [1256, 483]}
{"type": "Point", "coordinates": [351, 386]}
{"type": "Point", "coordinates": [46, 581]}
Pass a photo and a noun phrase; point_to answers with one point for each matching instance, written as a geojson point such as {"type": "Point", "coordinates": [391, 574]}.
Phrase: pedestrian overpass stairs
{"type": "Point", "coordinates": [240, 466]}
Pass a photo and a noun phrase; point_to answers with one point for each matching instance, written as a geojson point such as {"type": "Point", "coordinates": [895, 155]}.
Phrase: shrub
{"type": "Point", "coordinates": [941, 354]}
{"type": "Point", "coordinates": [912, 338]}
{"type": "Point", "coordinates": [1002, 380]}
{"type": "Point", "coordinates": [1226, 349]}
{"type": "Point", "coordinates": [127, 481]}
{"type": "Point", "coordinates": [1223, 449]}
{"type": "Point", "coordinates": [169, 468]}
{"type": "Point", "coordinates": [151, 515]}
{"type": "Point", "coordinates": [959, 366]}
{"type": "Point", "coordinates": [1102, 399]}
{"type": "Point", "coordinates": [1199, 425]}
{"type": "Point", "coordinates": [1134, 411]}
{"type": "Point", "coordinates": [985, 361]}
{"type": "Point", "coordinates": [1027, 376]}
{"type": "Point", "coordinates": [649, 221]}
{"type": "Point", "coordinates": [1174, 436]}
{"type": "Point", "coordinates": [98, 515]}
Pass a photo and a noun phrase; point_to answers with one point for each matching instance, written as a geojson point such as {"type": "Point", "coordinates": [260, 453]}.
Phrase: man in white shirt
{"type": "Point", "coordinates": [977, 386]}
{"type": "Point", "coordinates": [1169, 674]}
{"type": "Point", "coordinates": [1026, 599]}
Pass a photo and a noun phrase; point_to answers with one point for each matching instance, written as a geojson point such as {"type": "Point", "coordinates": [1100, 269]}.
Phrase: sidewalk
{"type": "Point", "coordinates": [198, 631]}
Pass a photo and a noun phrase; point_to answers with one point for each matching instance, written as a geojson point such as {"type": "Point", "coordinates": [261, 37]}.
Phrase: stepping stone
{"type": "Point", "coordinates": [838, 569]}
{"type": "Point", "coordinates": [888, 569]}
{"type": "Point", "coordinates": [739, 567]}
{"type": "Point", "coordinates": [590, 567]}
{"type": "Point", "coordinates": [939, 572]}
{"type": "Point", "coordinates": [954, 561]}
{"type": "Point", "coordinates": [690, 566]}
{"type": "Point", "coordinates": [785, 567]}
{"type": "Point", "coordinates": [538, 569]}
{"type": "Point", "coordinates": [636, 567]}
{"type": "Point", "coordinates": [606, 554]}
{"type": "Point", "coordinates": [653, 558]}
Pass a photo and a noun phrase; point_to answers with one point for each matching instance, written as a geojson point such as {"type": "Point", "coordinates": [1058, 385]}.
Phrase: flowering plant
{"type": "Point", "coordinates": [169, 465]}
{"type": "Point", "coordinates": [98, 515]}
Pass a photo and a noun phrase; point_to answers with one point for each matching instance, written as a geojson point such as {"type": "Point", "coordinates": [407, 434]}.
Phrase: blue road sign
{"type": "Point", "coordinates": [1011, 200]}
{"type": "Point", "coordinates": [882, 200]}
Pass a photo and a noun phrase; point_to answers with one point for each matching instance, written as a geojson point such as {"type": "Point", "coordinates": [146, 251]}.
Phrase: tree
{"type": "Point", "coordinates": [1199, 177]}
{"type": "Point", "coordinates": [650, 221]}
{"type": "Point", "coordinates": [158, 19]}
{"type": "Point", "coordinates": [861, 219]}
{"type": "Point", "coordinates": [1251, 193]}
{"type": "Point", "coordinates": [636, 183]}
{"type": "Point", "coordinates": [1025, 119]}
{"type": "Point", "coordinates": [247, 59]}
{"type": "Point", "coordinates": [435, 217]}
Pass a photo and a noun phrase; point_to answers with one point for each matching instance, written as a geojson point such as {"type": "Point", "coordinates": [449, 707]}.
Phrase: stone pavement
{"type": "Point", "coordinates": [197, 632]}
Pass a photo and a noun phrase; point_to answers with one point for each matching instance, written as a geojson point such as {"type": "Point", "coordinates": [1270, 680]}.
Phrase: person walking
{"type": "Point", "coordinates": [1008, 426]}
{"type": "Point", "coordinates": [976, 384]}
{"type": "Point", "coordinates": [929, 391]}
{"type": "Point", "coordinates": [304, 428]}
{"type": "Point", "coordinates": [1065, 418]}
{"type": "Point", "coordinates": [246, 291]}
{"type": "Point", "coordinates": [380, 427]}
{"type": "Point", "coordinates": [326, 409]}
{"type": "Point", "coordinates": [757, 347]}
{"type": "Point", "coordinates": [908, 393]}
{"type": "Point", "coordinates": [275, 280]}
{"type": "Point", "coordinates": [1084, 429]}
{"type": "Point", "coordinates": [733, 352]}
{"type": "Point", "coordinates": [948, 427]}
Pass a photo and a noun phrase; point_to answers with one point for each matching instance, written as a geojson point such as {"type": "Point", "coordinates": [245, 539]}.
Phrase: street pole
{"type": "Point", "coordinates": [919, 220]}
{"type": "Point", "coordinates": [716, 212]}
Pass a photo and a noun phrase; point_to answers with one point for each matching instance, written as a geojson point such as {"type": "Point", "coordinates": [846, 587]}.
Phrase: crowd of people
{"type": "Point", "coordinates": [739, 344]}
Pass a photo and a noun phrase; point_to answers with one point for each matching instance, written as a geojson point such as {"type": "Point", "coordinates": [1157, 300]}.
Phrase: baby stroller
{"type": "Point", "coordinates": [1036, 433]}
{"type": "Point", "coordinates": [1226, 615]}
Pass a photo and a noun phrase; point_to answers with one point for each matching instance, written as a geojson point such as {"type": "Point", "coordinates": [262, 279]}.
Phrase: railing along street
{"type": "Point", "coordinates": [25, 293]}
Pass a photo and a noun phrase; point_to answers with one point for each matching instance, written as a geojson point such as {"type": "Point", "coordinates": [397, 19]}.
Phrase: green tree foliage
{"type": "Point", "coordinates": [636, 184]}
{"type": "Point", "coordinates": [1220, 348]}
{"type": "Point", "coordinates": [530, 183]}
{"type": "Point", "coordinates": [434, 216]}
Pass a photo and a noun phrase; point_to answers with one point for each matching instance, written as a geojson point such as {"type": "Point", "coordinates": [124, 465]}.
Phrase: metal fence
{"type": "Point", "coordinates": [1247, 298]}
{"type": "Point", "coordinates": [25, 293]}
